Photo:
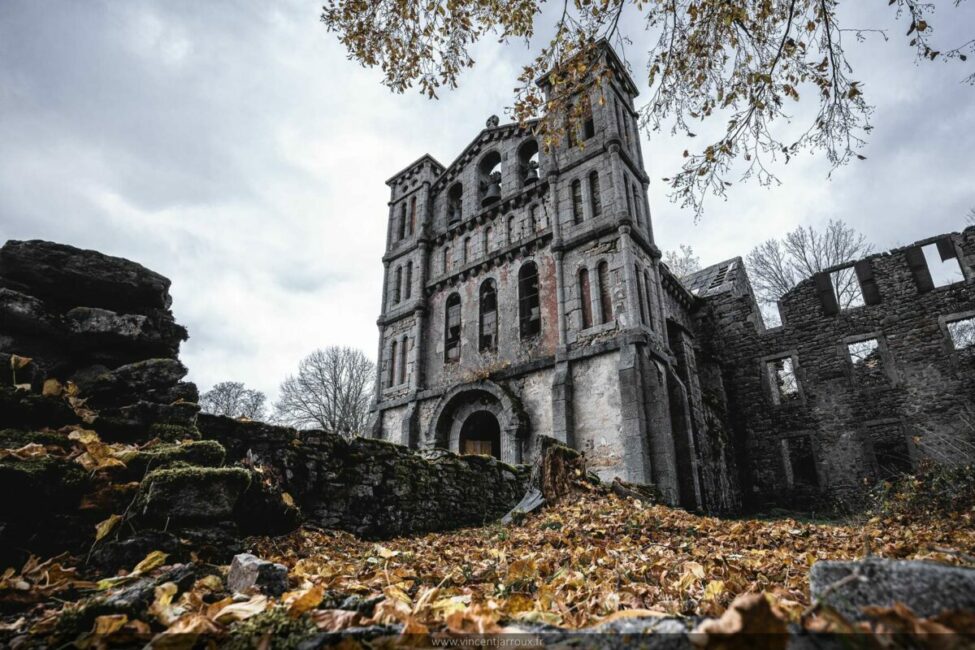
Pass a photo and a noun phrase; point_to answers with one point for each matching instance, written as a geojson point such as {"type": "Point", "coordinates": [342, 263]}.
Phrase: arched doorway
{"type": "Point", "coordinates": [481, 434]}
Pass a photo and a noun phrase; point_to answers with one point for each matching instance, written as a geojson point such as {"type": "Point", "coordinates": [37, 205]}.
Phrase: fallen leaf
{"type": "Point", "coordinates": [105, 527]}
{"type": "Point", "coordinates": [153, 560]}
{"type": "Point", "coordinates": [241, 611]}
{"type": "Point", "coordinates": [299, 602]}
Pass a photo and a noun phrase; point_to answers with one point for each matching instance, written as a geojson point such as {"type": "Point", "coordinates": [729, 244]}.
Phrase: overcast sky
{"type": "Point", "coordinates": [232, 147]}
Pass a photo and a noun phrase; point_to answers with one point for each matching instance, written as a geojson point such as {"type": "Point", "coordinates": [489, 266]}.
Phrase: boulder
{"type": "Point", "coordinates": [154, 380]}
{"type": "Point", "coordinates": [72, 277]}
{"type": "Point", "coordinates": [191, 494]}
{"type": "Point", "coordinates": [22, 313]}
{"type": "Point", "coordinates": [928, 588]}
{"type": "Point", "coordinates": [248, 571]}
{"type": "Point", "coordinates": [117, 338]}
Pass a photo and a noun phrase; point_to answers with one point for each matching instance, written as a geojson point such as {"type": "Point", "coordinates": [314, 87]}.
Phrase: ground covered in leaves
{"type": "Point", "coordinates": [593, 558]}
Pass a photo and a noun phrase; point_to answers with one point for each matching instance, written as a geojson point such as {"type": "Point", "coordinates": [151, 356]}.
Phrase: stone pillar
{"type": "Point", "coordinates": [636, 456]}
{"type": "Point", "coordinates": [563, 426]}
{"type": "Point", "coordinates": [663, 455]}
{"type": "Point", "coordinates": [560, 300]}
{"type": "Point", "coordinates": [420, 315]}
{"type": "Point", "coordinates": [688, 473]}
{"type": "Point", "coordinates": [629, 273]}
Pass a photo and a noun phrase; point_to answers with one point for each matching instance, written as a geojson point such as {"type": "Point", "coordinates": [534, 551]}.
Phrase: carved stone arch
{"type": "Point", "coordinates": [462, 401]}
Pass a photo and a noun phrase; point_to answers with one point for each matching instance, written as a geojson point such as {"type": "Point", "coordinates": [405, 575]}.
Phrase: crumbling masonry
{"type": "Point", "coordinates": [524, 295]}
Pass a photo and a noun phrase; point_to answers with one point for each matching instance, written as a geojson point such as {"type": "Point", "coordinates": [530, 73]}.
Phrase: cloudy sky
{"type": "Point", "coordinates": [233, 148]}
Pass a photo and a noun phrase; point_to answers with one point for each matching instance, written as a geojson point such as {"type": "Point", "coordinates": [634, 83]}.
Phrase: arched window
{"type": "Point", "coordinates": [577, 215]}
{"type": "Point", "coordinates": [451, 350]}
{"type": "Point", "coordinates": [412, 214]}
{"type": "Point", "coordinates": [511, 229]}
{"type": "Point", "coordinates": [467, 250]}
{"type": "Point", "coordinates": [585, 298]}
{"type": "Point", "coordinates": [528, 162]}
{"type": "Point", "coordinates": [488, 305]}
{"type": "Point", "coordinates": [445, 262]}
{"type": "Point", "coordinates": [398, 287]}
{"type": "Point", "coordinates": [409, 279]}
{"type": "Point", "coordinates": [640, 293]}
{"type": "Point", "coordinates": [588, 126]}
{"type": "Point", "coordinates": [488, 235]}
{"type": "Point", "coordinates": [402, 221]}
{"type": "Point", "coordinates": [529, 308]}
{"type": "Point", "coordinates": [646, 287]}
{"type": "Point", "coordinates": [605, 299]}
{"type": "Point", "coordinates": [404, 349]}
{"type": "Point", "coordinates": [455, 200]}
{"type": "Point", "coordinates": [489, 184]}
{"type": "Point", "coordinates": [595, 200]}
{"type": "Point", "coordinates": [392, 365]}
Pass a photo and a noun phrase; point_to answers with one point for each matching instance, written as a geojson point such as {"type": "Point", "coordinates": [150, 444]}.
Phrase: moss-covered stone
{"type": "Point", "coordinates": [283, 631]}
{"type": "Point", "coordinates": [16, 438]}
{"type": "Point", "coordinates": [173, 432]}
{"type": "Point", "coordinates": [38, 486]}
{"type": "Point", "coordinates": [191, 494]}
{"type": "Point", "coordinates": [199, 453]}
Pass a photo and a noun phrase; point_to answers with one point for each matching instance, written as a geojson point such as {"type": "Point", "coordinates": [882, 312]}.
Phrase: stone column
{"type": "Point", "coordinates": [563, 425]}
{"type": "Point", "coordinates": [629, 273]}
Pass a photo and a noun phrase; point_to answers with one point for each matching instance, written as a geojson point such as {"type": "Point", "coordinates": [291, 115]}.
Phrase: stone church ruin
{"type": "Point", "coordinates": [524, 295]}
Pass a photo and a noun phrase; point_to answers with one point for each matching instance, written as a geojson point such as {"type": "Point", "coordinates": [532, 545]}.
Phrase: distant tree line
{"type": "Point", "coordinates": [331, 390]}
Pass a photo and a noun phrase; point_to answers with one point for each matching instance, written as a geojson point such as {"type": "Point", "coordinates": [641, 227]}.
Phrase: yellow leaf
{"type": "Point", "coordinates": [714, 589]}
{"type": "Point", "coordinates": [160, 607]}
{"type": "Point", "coordinates": [109, 624]}
{"type": "Point", "coordinates": [241, 611]}
{"type": "Point", "coordinates": [107, 526]}
{"type": "Point", "coordinates": [300, 602]}
{"type": "Point", "coordinates": [288, 500]}
{"type": "Point", "coordinates": [150, 562]}
{"type": "Point", "coordinates": [17, 362]}
{"type": "Point", "coordinates": [52, 388]}
{"type": "Point", "coordinates": [385, 553]}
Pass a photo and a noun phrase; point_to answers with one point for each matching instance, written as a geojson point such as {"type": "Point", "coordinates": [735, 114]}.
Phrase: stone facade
{"type": "Point", "coordinates": [524, 295]}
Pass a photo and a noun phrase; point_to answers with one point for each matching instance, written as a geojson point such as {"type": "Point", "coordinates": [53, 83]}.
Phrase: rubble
{"type": "Point", "coordinates": [249, 571]}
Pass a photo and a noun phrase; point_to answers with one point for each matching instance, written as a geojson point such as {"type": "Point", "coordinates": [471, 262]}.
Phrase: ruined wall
{"type": "Point", "coordinates": [597, 414]}
{"type": "Point", "coordinates": [877, 387]}
{"type": "Point", "coordinates": [370, 487]}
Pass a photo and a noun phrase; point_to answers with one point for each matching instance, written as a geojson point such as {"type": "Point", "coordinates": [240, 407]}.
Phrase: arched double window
{"type": "Point", "coordinates": [585, 298]}
{"type": "Point", "coordinates": [488, 305]}
{"type": "Point", "coordinates": [605, 298]}
{"type": "Point", "coordinates": [529, 307]}
{"type": "Point", "coordinates": [452, 322]}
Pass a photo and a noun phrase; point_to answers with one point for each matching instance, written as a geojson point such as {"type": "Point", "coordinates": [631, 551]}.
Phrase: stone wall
{"type": "Point", "coordinates": [847, 422]}
{"type": "Point", "coordinates": [370, 487]}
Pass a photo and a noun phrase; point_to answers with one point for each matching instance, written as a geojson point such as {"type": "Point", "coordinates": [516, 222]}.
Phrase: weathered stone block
{"type": "Point", "coordinates": [927, 588]}
{"type": "Point", "coordinates": [191, 494]}
{"type": "Point", "coordinates": [248, 571]}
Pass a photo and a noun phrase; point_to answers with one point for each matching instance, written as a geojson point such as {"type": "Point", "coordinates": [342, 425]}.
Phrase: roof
{"type": "Point", "coordinates": [717, 278]}
{"type": "Point", "coordinates": [424, 157]}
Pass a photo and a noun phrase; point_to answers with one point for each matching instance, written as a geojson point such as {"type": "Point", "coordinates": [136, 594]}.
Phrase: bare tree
{"type": "Point", "coordinates": [776, 266]}
{"type": "Point", "coordinates": [331, 391]}
{"type": "Point", "coordinates": [682, 262]}
{"type": "Point", "coordinates": [741, 66]}
{"type": "Point", "coordinates": [230, 398]}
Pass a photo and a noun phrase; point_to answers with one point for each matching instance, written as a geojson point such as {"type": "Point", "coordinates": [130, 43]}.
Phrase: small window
{"type": "Point", "coordinates": [445, 259]}
{"type": "Point", "coordinates": [640, 293]}
{"type": "Point", "coordinates": [585, 298]}
{"type": "Point", "coordinates": [783, 380]}
{"type": "Point", "coordinates": [942, 261]}
{"type": "Point", "coordinates": [605, 297]}
{"type": "Point", "coordinates": [398, 286]}
{"type": "Point", "coordinates": [962, 333]}
{"type": "Point", "coordinates": [529, 306]}
{"type": "Point", "coordinates": [646, 286]}
{"type": "Point", "coordinates": [488, 236]}
{"type": "Point", "coordinates": [467, 250]}
{"type": "Point", "coordinates": [402, 221]}
{"type": "Point", "coordinates": [637, 212]}
{"type": "Point", "coordinates": [577, 214]}
{"type": "Point", "coordinates": [404, 350]}
{"type": "Point", "coordinates": [865, 357]}
{"type": "Point", "coordinates": [595, 200]}
{"type": "Point", "coordinates": [412, 215]}
{"type": "Point", "coordinates": [588, 126]}
{"type": "Point", "coordinates": [408, 288]}
{"type": "Point", "coordinates": [489, 316]}
{"type": "Point", "coordinates": [452, 322]}
{"type": "Point", "coordinates": [847, 288]}
{"type": "Point", "coordinates": [511, 229]}
{"type": "Point", "coordinates": [391, 381]}
{"type": "Point", "coordinates": [800, 462]}
{"type": "Point", "coordinates": [455, 200]}
{"type": "Point", "coordinates": [893, 458]}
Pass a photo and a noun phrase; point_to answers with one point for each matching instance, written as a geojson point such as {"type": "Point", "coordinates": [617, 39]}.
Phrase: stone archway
{"type": "Point", "coordinates": [461, 403]}
{"type": "Point", "coordinates": [480, 434]}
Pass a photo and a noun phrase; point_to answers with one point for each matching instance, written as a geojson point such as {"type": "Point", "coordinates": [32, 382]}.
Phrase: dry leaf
{"type": "Point", "coordinates": [241, 611]}
{"type": "Point", "coordinates": [334, 620]}
{"type": "Point", "coordinates": [299, 602]}
{"type": "Point", "coordinates": [107, 526]}
{"type": "Point", "coordinates": [52, 388]}
{"type": "Point", "coordinates": [150, 562]}
{"type": "Point", "coordinates": [161, 607]}
{"type": "Point", "coordinates": [17, 362]}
